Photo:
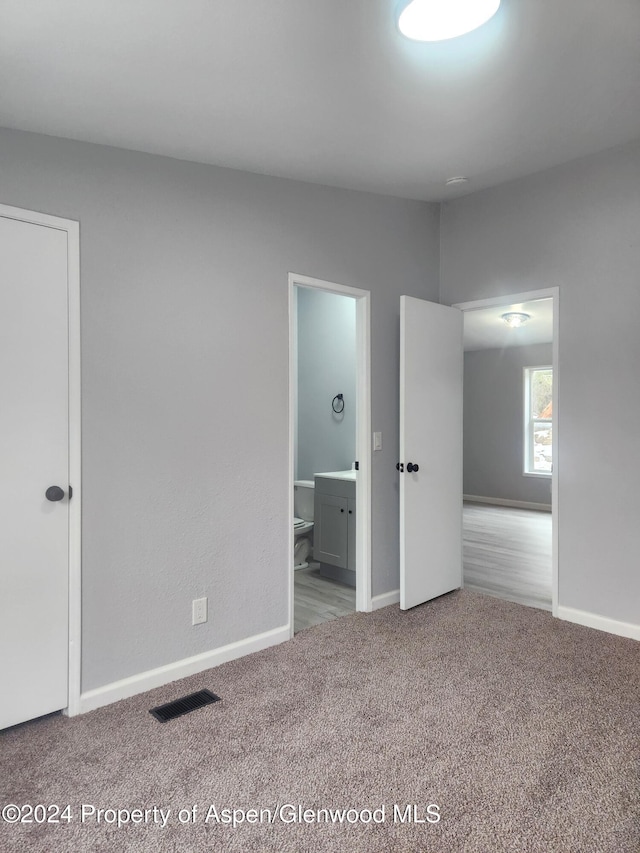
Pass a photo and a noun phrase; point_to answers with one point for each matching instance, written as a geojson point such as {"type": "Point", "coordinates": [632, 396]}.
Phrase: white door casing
{"type": "Point", "coordinates": [39, 422]}
{"type": "Point", "coordinates": [431, 383]}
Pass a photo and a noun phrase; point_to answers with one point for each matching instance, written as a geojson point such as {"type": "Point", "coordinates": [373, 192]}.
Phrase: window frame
{"type": "Point", "coordinates": [529, 424]}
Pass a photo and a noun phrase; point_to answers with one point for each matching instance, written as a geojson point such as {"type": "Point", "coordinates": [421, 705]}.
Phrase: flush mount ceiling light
{"type": "Point", "coordinates": [437, 20]}
{"type": "Point", "coordinates": [515, 318]}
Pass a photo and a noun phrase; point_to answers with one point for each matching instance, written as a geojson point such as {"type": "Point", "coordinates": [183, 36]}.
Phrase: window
{"type": "Point", "coordinates": [538, 421]}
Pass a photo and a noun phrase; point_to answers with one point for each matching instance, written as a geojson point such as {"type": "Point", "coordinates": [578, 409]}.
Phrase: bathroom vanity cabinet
{"type": "Point", "coordinates": [335, 525]}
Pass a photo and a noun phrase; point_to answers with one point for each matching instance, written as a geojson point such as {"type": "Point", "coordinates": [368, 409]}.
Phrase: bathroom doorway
{"type": "Point", "coordinates": [329, 427]}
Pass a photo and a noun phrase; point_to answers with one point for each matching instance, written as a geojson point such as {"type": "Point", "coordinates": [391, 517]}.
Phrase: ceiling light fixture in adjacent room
{"type": "Point", "coordinates": [437, 20]}
{"type": "Point", "coordinates": [515, 318]}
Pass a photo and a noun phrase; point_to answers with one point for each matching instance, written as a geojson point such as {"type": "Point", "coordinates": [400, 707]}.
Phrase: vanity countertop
{"type": "Point", "coordinates": [338, 475]}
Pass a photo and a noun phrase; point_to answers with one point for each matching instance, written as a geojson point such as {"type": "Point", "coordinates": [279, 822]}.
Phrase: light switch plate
{"type": "Point", "coordinates": [377, 441]}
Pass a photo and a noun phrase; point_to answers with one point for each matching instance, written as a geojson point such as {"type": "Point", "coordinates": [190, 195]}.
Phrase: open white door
{"type": "Point", "coordinates": [431, 369]}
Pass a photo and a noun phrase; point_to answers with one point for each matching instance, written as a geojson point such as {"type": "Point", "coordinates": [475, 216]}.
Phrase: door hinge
{"type": "Point", "coordinates": [70, 492]}
{"type": "Point", "coordinates": [356, 466]}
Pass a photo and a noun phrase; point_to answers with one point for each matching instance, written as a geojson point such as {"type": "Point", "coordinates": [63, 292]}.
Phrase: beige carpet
{"type": "Point", "coordinates": [523, 730]}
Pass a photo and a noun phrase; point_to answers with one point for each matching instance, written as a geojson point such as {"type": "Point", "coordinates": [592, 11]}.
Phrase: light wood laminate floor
{"type": "Point", "coordinates": [318, 599]}
{"type": "Point", "coordinates": [507, 553]}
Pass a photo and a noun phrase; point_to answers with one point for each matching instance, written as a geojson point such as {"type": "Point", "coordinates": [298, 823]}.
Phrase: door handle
{"type": "Point", "coordinates": [54, 493]}
{"type": "Point", "coordinates": [411, 467]}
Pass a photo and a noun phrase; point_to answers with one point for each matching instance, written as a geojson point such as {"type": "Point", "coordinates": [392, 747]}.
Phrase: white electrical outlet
{"type": "Point", "coordinates": [199, 611]}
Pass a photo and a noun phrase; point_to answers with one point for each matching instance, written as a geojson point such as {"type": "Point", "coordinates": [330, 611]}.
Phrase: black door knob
{"type": "Point", "coordinates": [411, 467]}
{"type": "Point", "coordinates": [400, 467]}
{"type": "Point", "coordinates": [54, 493]}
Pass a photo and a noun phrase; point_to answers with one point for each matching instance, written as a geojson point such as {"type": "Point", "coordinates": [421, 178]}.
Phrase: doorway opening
{"type": "Point", "coordinates": [511, 466]}
{"type": "Point", "coordinates": [329, 427]}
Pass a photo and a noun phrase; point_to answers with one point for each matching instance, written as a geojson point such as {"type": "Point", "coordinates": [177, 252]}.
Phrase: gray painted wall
{"type": "Point", "coordinates": [494, 424]}
{"type": "Point", "coordinates": [185, 380]}
{"type": "Point", "coordinates": [326, 366]}
{"type": "Point", "coordinates": [575, 227]}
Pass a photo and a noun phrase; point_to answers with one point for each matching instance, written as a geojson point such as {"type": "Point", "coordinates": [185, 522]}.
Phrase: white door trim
{"type": "Point", "coordinates": [72, 230]}
{"type": "Point", "coordinates": [545, 293]}
{"type": "Point", "coordinates": [363, 431]}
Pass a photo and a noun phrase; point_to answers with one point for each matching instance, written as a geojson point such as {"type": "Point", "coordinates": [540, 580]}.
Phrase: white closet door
{"type": "Point", "coordinates": [34, 431]}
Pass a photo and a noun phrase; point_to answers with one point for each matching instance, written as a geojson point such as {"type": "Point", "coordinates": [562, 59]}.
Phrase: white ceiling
{"type": "Point", "coordinates": [327, 90]}
{"type": "Point", "coordinates": [484, 328]}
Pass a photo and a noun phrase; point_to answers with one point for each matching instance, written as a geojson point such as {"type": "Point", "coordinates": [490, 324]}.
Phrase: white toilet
{"type": "Point", "coordinates": [303, 492]}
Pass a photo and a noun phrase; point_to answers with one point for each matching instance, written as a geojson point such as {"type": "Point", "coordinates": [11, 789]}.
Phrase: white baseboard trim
{"type": "Point", "coordinates": [601, 623]}
{"type": "Point", "coordinates": [477, 499]}
{"type": "Point", "coordinates": [135, 684]}
{"type": "Point", "coordinates": [385, 599]}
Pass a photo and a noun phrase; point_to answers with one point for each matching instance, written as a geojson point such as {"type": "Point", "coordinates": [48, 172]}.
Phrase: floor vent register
{"type": "Point", "coordinates": [164, 713]}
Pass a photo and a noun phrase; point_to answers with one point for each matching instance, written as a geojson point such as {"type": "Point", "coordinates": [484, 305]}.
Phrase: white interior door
{"type": "Point", "coordinates": [431, 370]}
{"type": "Point", "coordinates": [34, 455]}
